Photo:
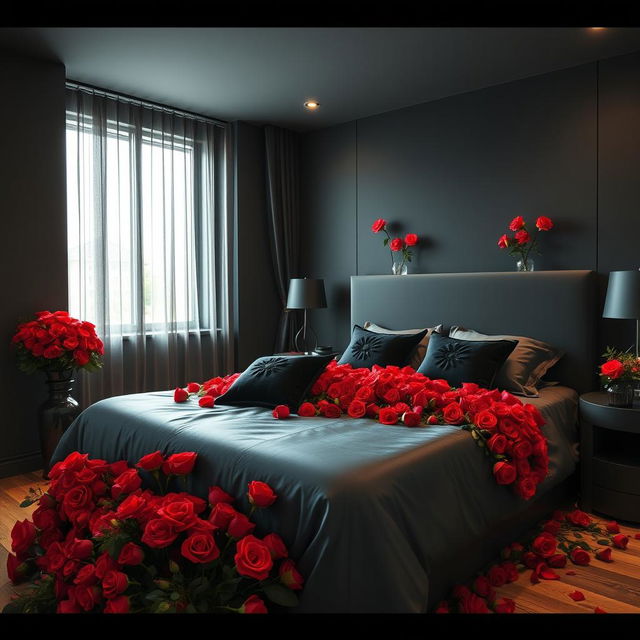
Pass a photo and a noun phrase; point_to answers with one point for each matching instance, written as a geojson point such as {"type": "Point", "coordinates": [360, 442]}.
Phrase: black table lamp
{"type": "Point", "coordinates": [623, 298]}
{"type": "Point", "coordinates": [306, 293]}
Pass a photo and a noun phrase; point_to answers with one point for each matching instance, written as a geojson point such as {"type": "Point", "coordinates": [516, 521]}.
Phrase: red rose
{"type": "Point", "coordinates": [105, 563]}
{"type": "Point", "coordinates": [526, 487]}
{"type": "Point", "coordinates": [23, 535]}
{"type": "Point", "coordinates": [253, 604]}
{"type": "Point", "coordinates": [193, 387]}
{"type": "Point", "coordinates": [522, 237]}
{"type": "Point", "coordinates": [621, 541]}
{"type": "Point", "coordinates": [159, 533]}
{"type": "Point", "coordinates": [579, 556]}
{"type": "Point", "coordinates": [473, 604]}
{"type": "Point", "coordinates": [281, 412]}
{"type": "Point", "coordinates": [330, 410]}
{"type": "Point", "coordinates": [511, 571]}
{"type": "Point", "coordinates": [579, 518]}
{"type": "Point", "coordinates": [180, 395]}
{"type": "Point", "coordinates": [180, 464]}
{"type": "Point", "coordinates": [482, 586]}
{"type": "Point", "coordinates": [453, 413]}
{"type": "Point", "coordinates": [432, 419]}
{"type": "Point", "coordinates": [306, 410]}
{"type": "Point", "coordinates": [544, 545]}
{"type": "Point", "coordinates": [85, 597]}
{"type": "Point", "coordinates": [216, 495]}
{"type": "Point", "coordinates": [86, 576]}
{"type": "Point", "coordinates": [604, 554]}
{"type": "Point", "coordinates": [497, 576]}
{"type": "Point", "coordinates": [411, 419]}
{"type": "Point", "coordinates": [497, 443]}
{"type": "Point", "coordinates": [68, 606]}
{"type": "Point", "coordinates": [253, 558]}
{"type": "Point", "coordinates": [77, 498]}
{"type": "Point", "coordinates": [612, 369]}
{"type": "Point", "coordinates": [530, 560]}
{"type": "Point", "coordinates": [52, 351]}
{"type": "Point", "coordinates": [290, 576]}
{"type": "Point", "coordinates": [114, 583]}
{"type": "Point", "coordinates": [126, 482]}
{"type": "Point", "coordinates": [517, 223]}
{"type": "Point", "coordinates": [119, 604]}
{"type": "Point", "coordinates": [131, 554]}
{"type": "Point", "coordinates": [78, 549]}
{"type": "Point", "coordinates": [206, 401]}
{"type": "Point", "coordinates": [411, 239]}
{"type": "Point", "coordinates": [504, 472]}
{"type": "Point", "coordinates": [506, 605]}
{"type": "Point", "coordinates": [221, 515]}
{"type": "Point", "coordinates": [261, 494]}
{"type": "Point", "coordinates": [378, 225]}
{"type": "Point", "coordinates": [504, 241]}
{"type": "Point", "coordinates": [557, 560]}
{"type": "Point", "coordinates": [544, 224]}
{"type": "Point", "coordinates": [485, 420]}
{"type": "Point", "coordinates": [132, 506]}
{"type": "Point", "coordinates": [612, 527]}
{"type": "Point", "coordinates": [552, 527]}
{"type": "Point", "coordinates": [276, 546]}
{"type": "Point", "coordinates": [16, 570]}
{"type": "Point", "coordinates": [521, 449]}
{"type": "Point", "coordinates": [357, 409]}
{"type": "Point", "coordinates": [180, 514]}
{"type": "Point", "coordinates": [240, 526]}
{"type": "Point", "coordinates": [200, 548]}
{"type": "Point", "coordinates": [397, 244]}
{"type": "Point", "coordinates": [151, 461]}
{"type": "Point", "coordinates": [460, 591]}
{"type": "Point", "coordinates": [388, 416]}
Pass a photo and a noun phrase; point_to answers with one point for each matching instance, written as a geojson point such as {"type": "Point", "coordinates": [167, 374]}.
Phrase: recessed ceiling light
{"type": "Point", "coordinates": [311, 105]}
{"type": "Point", "coordinates": [597, 28]}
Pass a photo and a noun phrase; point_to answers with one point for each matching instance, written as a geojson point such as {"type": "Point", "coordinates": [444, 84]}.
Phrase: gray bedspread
{"type": "Point", "coordinates": [365, 508]}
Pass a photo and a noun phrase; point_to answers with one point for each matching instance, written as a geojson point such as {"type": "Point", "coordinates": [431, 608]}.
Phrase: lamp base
{"type": "Point", "coordinates": [306, 340]}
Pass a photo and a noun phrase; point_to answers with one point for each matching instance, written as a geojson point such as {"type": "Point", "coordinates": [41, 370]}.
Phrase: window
{"type": "Point", "coordinates": [148, 237]}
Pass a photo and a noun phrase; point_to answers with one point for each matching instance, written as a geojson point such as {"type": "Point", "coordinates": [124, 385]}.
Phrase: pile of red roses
{"type": "Point", "coordinates": [507, 430]}
{"type": "Point", "coordinates": [56, 341]}
{"type": "Point", "coordinates": [99, 542]}
{"type": "Point", "coordinates": [555, 542]}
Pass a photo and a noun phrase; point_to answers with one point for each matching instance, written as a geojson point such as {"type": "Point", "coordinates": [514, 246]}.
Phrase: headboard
{"type": "Point", "coordinates": [558, 307]}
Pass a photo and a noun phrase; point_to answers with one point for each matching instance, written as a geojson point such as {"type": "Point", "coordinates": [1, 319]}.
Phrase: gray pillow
{"type": "Point", "coordinates": [525, 366]}
{"type": "Point", "coordinates": [417, 355]}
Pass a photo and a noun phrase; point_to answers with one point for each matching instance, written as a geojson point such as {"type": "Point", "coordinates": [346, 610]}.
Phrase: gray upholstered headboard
{"type": "Point", "coordinates": [558, 307]}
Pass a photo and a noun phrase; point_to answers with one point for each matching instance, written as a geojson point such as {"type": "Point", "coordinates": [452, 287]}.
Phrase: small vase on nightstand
{"type": "Point", "coordinates": [620, 394]}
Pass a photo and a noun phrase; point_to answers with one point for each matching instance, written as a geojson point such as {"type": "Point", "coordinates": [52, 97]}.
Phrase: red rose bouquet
{"type": "Point", "coordinates": [57, 342]}
{"type": "Point", "coordinates": [523, 242]}
{"type": "Point", "coordinates": [619, 366]}
{"type": "Point", "coordinates": [396, 245]}
{"type": "Point", "coordinates": [99, 542]}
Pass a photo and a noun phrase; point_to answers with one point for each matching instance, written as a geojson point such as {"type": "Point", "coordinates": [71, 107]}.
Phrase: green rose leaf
{"type": "Point", "coordinates": [281, 595]}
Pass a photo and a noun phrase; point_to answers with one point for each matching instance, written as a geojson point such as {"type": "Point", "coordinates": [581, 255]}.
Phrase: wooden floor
{"type": "Point", "coordinates": [614, 587]}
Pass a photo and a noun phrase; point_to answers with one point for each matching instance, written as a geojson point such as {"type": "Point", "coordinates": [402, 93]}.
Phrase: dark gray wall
{"type": "Point", "coordinates": [456, 171]}
{"type": "Point", "coordinates": [258, 306]}
{"type": "Point", "coordinates": [33, 243]}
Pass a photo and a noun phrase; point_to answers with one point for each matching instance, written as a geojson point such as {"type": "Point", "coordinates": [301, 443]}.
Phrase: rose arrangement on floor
{"type": "Point", "coordinates": [557, 542]}
{"type": "Point", "coordinates": [507, 430]}
{"type": "Point", "coordinates": [98, 542]}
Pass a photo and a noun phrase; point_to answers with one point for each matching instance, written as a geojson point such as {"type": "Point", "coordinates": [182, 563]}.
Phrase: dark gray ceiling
{"type": "Point", "coordinates": [265, 74]}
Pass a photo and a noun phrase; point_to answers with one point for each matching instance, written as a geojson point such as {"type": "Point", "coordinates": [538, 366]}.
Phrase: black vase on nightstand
{"type": "Point", "coordinates": [56, 414]}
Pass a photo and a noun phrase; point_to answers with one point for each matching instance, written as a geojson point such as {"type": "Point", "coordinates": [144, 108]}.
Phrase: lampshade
{"type": "Point", "coordinates": [306, 293]}
{"type": "Point", "coordinates": [623, 295]}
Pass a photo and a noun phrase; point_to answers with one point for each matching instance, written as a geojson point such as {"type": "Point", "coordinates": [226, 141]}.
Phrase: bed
{"type": "Point", "coordinates": [379, 518]}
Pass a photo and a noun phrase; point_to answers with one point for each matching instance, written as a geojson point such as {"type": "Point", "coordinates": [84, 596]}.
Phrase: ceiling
{"type": "Point", "coordinates": [264, 74]}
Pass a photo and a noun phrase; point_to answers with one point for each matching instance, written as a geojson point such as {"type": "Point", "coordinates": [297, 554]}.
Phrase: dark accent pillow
{"type": "Point", "coordinates": [458, 361]}
{"type": "Point", "coordinates": [273, 380]}
{"type": "Point", "coordinates": [368, 348]}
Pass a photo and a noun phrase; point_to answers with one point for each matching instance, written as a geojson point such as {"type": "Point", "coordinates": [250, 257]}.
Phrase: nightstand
{"type": "Point", "coordinates": [609, 458]}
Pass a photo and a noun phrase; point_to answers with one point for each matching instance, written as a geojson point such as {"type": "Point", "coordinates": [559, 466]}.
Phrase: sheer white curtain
{"type": "Point", "coordinates": [149, 242]}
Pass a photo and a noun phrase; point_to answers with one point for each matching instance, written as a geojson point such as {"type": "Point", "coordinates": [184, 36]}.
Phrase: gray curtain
{"type": "Point", "coordinates": [283, 207]}
{"type": "Point", "coordinates": [148, 237]}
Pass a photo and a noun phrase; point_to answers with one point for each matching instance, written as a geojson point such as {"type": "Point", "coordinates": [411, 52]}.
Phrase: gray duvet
{"type": "Point", "coordinates": [364, 508]}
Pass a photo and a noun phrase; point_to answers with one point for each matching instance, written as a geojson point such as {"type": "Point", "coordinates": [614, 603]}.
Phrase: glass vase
{"type": "Point", "coordinates": [56, 413]}
{"type": "Point", "coordinates": [525, 265]}
{"type": "Point", "coordinates": [620, 394]}
{"type": "Point", "coordinates": [399, 268]}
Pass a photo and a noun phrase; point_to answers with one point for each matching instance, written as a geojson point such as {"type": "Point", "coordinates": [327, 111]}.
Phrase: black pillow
{"type": "Point", "coordinates": [368, 348]}
{"type": "Point", "coordinates": [458, 361]}
{"type": "Point", "coordinates": [273, 380]}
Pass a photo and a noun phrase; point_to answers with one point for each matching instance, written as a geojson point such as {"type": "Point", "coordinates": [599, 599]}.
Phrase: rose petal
{"type": "Point", "coordinates": [571, 573]}
{"type": "Point", "coordinates": [578, 596]}
{"type": "Point", "coordinates": [599, 610]}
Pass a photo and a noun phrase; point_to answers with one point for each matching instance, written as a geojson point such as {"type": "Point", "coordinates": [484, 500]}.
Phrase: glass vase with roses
{"type": "Point", "coordinates": [620, 375]}
{"type": "Point", "coordinates": [398, 247]}
{"type": "Point", "coordinates": [523, 242]}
